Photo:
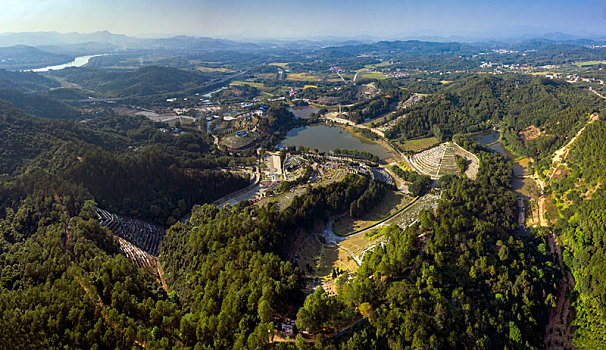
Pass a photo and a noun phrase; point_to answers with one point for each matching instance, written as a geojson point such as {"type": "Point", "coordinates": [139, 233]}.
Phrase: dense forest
{"type": "Point", "coordinates": [26, 81]}
{"type": "Point", "coordinates": [118, 161]}
{"type": "Point", "coordinates": [145, 81]}
{"type": "Point", "coordinates": [580, 196]}
{"type": "Point", "coordinates": [39, 105]}
{"type": "Point", "coordinates": [464, 275]}
{"type": "Point", "coordinates": [558, 109]}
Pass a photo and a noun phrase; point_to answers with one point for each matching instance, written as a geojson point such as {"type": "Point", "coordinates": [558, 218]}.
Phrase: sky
{"type": "Point", "coordinates": [296, 19]}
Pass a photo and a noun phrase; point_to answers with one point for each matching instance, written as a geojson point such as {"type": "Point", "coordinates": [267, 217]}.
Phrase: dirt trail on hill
{"type": "Point", "coordinates": [559, 158]}
{"type": "Point", "coordinates": [558, 334]}
{"type": "Point", "coordinates": [560, 155]}
{"type": "Point", "coordinates": [557, 331]}
{"type": "Point", "coordinates": [160, 275]}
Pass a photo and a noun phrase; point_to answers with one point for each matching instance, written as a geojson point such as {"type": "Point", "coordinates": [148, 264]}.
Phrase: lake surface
{"type": "Point", "coordinates": [303, 112]}
{"type": "Point", "coordinates": [326, 138]}
{"type": "Point", "coordinates": [77, 62]}
{"type": "Point", "coordinates": [490, 138]}
{"type": "Point", "coordinates": [487, 137]}
{"type": "Point", "coordinates": [523, 186]}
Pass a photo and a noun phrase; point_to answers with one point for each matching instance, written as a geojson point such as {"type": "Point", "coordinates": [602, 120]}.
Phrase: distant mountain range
{"type": "Point", "coordinates": [106, 42]}
{"type": "Point", "coordinates": [38, 49]}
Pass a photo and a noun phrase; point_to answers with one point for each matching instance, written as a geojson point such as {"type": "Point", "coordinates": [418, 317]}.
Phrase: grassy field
{"type": "Point", "coordinates": [392, 202]}
{"type": "Point", "coordinates": [212, 70]}
{"type": "Point", "coordinates": [323, 259]}
{"type": "Point", "coordinates": [372, 75]}
{"type": "Point", "coordinates": [358, 243]}
{"type": "Point", "coordinates": [302, 77]}
{"type": "Point", "coordinates": [249, 83]}
{"type": "Point", "coordinates": [417, 145]}
{"type": "Point", "coordinates": [588, 63]}
{"type": "Point", "coordinates": [279, 64]}
{"type": "Point", "coordinates": [376, 65]}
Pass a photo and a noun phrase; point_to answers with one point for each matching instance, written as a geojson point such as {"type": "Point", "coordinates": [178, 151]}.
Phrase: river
{"type": "Point", "coordinates": [77, 62]}
{"type": "Point", "coordinates": [326, 138]}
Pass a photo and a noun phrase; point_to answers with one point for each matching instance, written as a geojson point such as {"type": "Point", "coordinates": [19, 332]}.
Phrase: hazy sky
{"type": "Point", "coordinates": [311, 18]}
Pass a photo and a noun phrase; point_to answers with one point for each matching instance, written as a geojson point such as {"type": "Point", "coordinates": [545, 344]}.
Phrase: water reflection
{"type": "Point", "coordinates": [326, 138]}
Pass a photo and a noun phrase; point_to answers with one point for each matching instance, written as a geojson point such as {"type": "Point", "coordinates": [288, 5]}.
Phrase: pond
{"type": "Point", "coordinates": [326, 138]}
{"type": "Point", "coordinates": [303, 112]}
{"type": "Point", "coordinates": [490, 138]}
{"type": "Point", "coordinates": [487, 137]}
{"type": "Point", "coordinates": [523, 186]}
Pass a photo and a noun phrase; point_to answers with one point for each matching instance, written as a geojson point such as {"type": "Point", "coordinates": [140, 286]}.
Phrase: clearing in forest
{"type": "Point", "coordinates": [391, 204]}
{"type": "Point", "coordinates": [418, 144]}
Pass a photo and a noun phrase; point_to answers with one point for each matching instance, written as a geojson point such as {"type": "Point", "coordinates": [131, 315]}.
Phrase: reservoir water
{"type": "Point", "coordinates": [525, 187]}
{"type": "Point", "coordinates": [77, 62]}
{"type": "Point", "coordinates": [326, 138]}
{"type": "Point", "coordinates": [492, 138]}
{"type": "Point", "coordinates": [487, 137]}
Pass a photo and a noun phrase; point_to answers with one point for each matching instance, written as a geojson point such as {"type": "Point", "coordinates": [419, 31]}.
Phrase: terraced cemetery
{"type": "Point", "coordinates": [411, 214]}
{"type": "Point", "coordinates": [441, 160]}
{"type": "Point", "coordinates": [139, 240]}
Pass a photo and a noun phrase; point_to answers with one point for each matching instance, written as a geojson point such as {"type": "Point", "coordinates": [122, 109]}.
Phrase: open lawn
{"type": "Point", "coordinates": [358, 243]}
{"type": "Point", "coordinates": [588, 63]}
{"type": "Point", "coordinates": [372, 75]}
{"type": "Point", "coordinates": [419, 144]}
{"type": "Point", "coordinates": [376, 65]}
{"type": "Point", "coordinates": [279, 64]}
{"type": "Point", "coordinates": [319, 260]}
{"type": "Point", "coordinates": [302, 77]}
{"type": "Point", "coordinates": [249, 83]}
{"type": "Point", "coordinates": [390, 205]}
{"type": "Point", "coordinates": [212, 70]}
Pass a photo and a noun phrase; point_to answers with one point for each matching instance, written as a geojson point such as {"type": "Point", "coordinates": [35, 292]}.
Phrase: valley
{"type": "Point", "coordinates": [213, 194]}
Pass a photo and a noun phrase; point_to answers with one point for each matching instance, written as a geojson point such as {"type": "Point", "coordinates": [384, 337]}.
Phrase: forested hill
{"type": "Point", "coordinates": [125, 164]}
{"type": "Point", "coordinates": [557, 108]}
{"type": "Point", "coordinates": [145, 81]}
{"type": "Point", "coordinates": [579, 194]}
{"type": "Point", "coordinates": [461, 278]}
{"type": "Point", "coordinates": [27, 57]}
{"type": "Point", "coordinates": [31, 92]}
{"type": "Point", "coordinates": [26, 81]}
{"type": "Point", "coordinates": [39, 105]}
{"type": "Point", "coordinates": [409, 48]}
